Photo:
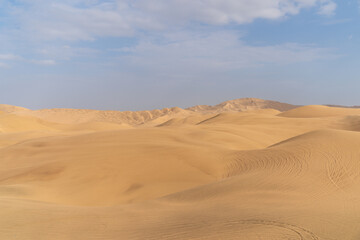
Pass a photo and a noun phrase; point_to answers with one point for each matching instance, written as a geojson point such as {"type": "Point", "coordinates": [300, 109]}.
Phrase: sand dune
{"type": "Point", "coordinates": [351, 122]}
{"type": "Point", "coordinates": [319, 111]}
{"type": "Point", "coordinates": [157, 116]}
{"type": "Point", "coordinates": [77, 116]}
{"type": "Point", "coordinates": [203, 173]}
{"type": "Point", "coordinates": [15, 123]}
{"type": "Point", "coordinates": [10, 109]}
{"type": "Point", "coordinates": [243, 104]}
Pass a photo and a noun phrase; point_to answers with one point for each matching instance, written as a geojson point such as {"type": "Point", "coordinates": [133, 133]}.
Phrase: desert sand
{"type": "Point", "coordinates": [243, 169]}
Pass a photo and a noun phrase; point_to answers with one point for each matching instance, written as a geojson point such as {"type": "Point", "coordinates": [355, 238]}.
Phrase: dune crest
{"type": "Point", "coordinates": [319, 111]}
{"type": "Point", "coordinates": [243, 104]}
{"type": "Point", "coordinates": [76, 116]}
{"type": "Point", "coordinates": [10, 109]}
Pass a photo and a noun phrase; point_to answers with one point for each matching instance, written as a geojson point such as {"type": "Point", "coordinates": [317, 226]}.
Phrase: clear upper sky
{"type": "Point", "coordinates": [145, 54]}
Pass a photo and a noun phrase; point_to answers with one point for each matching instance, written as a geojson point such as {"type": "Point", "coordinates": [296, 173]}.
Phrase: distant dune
{"type": "Point", "coordinates": [9, 108]}
{"type": "Point", "coordinates": [75, 116]}
{"type": "Point", "coordinates": [319, 111]}
{"type": "Point", "coordinates": [246, 169]}
{"type": "Point", "coordinates": [341, 106]}
{"type": "Point", "coordinates": [243, 104]}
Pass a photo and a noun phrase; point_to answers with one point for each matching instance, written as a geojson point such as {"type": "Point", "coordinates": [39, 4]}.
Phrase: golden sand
{"type": "Point", "coordinates": [243, 169]}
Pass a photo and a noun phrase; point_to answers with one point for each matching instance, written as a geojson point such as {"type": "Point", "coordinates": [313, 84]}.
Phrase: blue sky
{"type": "Point", "coordinates": [145, 54]}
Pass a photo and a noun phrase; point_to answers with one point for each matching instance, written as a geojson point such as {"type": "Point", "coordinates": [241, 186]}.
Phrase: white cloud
{"type": "Point", "coordinates": [88, 20]}
{"type": "Point", "coordinates": [46, 62]}
{"type": "Point", "coordinates": [5, 58]}
{"type": "Point", "coordinates": [222, 11]}
{"type": "Point", "coordinates": [215, 52]}
{"type": "Point", "coordinates": [66, 52]}
{"type": "Point", "coordinates": [337, 21]}
{"type": "Point", "coordinates": [327, 8]}
{"type": "Point", "coordinates": [8, 57]}
{"type": "Point", "coordinates": [11, 57]}
{"type": "Point", "coordinates": [73, 20]}
{"type": "Point", "coordinates": [4, 65]}
{"type": "Point", "coordinates": [50, 20]}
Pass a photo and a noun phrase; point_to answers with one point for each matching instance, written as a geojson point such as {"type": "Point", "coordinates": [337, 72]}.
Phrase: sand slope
{"type": "Point", "coordinates": [184, 174]}
{"type": "Point", "coordinates": [319, 111]}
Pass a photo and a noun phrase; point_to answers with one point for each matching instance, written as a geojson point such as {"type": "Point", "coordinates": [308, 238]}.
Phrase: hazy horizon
{"type": "Point", "coordinates": [141, 55]}
{"type": "Point", "coordinates": [185, 107]}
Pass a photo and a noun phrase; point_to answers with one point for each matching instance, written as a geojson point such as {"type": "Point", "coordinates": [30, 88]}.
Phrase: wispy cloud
{"type": "Point", "coordinates": [53, 28]}
{"type": "Point", "coordinates": [88, 20]}
{"type": "Point", "coordinates": [6, 58]}
{"type": "Point", "coordinates": [215, 52]}
{"type": "Point", "coordinates": [336, 21]}
{"type": "Point", "coordinates": [221, 12]}
{"type": "Point", "coordinates": [66, 52]}
{"type": "Point", "coordinates": [4, 65]}
{"type": "Point", "coordinates": [9, 57]}
{"type": "Point", "coordinates": [46, 62]}
{"type": "Point", "coordinates": [327, 8]}
{"type": "Point", "coordinates": [68, 22]}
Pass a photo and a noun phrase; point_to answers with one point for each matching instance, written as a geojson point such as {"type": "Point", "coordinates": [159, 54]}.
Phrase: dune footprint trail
{"type": "Point", "coordinates": [237, 170]}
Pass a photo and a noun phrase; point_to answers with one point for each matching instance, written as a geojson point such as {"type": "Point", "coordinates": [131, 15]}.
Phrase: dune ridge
{"type": "Point", "coordinates": [63, 115]}
{"type": "Point", "coordinates": [314, 111]}
{"type": "Point", "coordinates": [10, 109]}
{"type": "Point", "coordinates": [243, 104]}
